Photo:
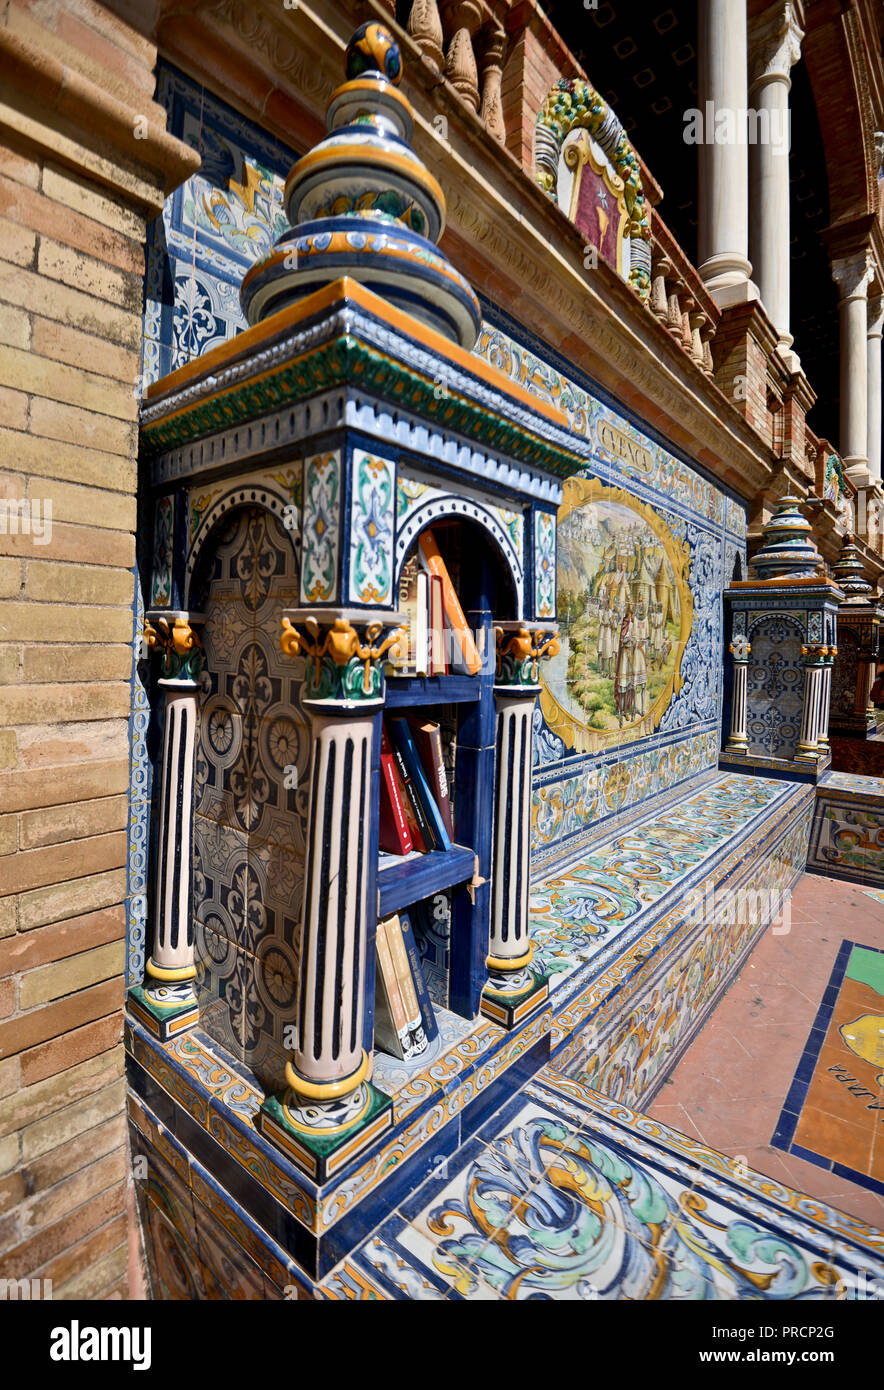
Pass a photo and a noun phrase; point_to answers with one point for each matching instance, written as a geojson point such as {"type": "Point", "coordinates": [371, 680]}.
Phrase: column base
{"type": "Point", "coordinates": [165, 1020]}
{"type": "Point", "coordinates": [510, 999]}
{"type": "Point", "coordinates": [323, 1139]}
{"type": "Point", "coordinates": [737, 745]}
{"type": "Point", "coordinates": [809, 753]}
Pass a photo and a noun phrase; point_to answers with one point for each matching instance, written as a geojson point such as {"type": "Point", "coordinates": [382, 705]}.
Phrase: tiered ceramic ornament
{"type": "Point", "coordinates": [787, 611]}
{"type": "Point", "coordinates": [860, 618]}
{"type": "Point", "coordinates": [363, 204]}
{"type": "Point", "coordinates": [789, 550]}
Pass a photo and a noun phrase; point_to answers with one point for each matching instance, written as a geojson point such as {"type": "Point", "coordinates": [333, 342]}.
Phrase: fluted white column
{"type": "Point", "coordinates": [739, 741]}
{"type": "Point", "coordinates": [826, 701]}
{"type": "Point", "coordinates": [809, 749]}
{"type": "Point", "coordinates": [774, 46]}
{"type": "Point", "coordinates": [329, 1053]}
{"type": "Point", "coordinates": [724, 168]}
{"type": "Point", "coordinates": [512, 826]}
{"type": "Point", "coordinates": [875, 322]}
{"type": "Point", "coordinates": [170, 968]}
{"type": "Point", "coordinates": [851, 274]}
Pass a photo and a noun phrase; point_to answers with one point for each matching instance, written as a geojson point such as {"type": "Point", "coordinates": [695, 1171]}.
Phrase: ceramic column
{"type": "Point", "coordinates": [168, 1005]}
{"type": "Point", "coordinates": [809, 750]}
{"type": "Point", "coordinates": [328, 1093]}
{"type": "Point", "coordinates": [875, 311]}
{"type": "Point", "coordinates": [724, 167]}
{"type": "Point", "coordinates": [739, 741]}
{"type": "Point", "coordinates": [513, 990]}
{"type": "Point", "coordinates": [826, 700]}
{"type": "Point", "coordinates": [851, 274]}
{"type": "Point", "coordinates": [774, 46]}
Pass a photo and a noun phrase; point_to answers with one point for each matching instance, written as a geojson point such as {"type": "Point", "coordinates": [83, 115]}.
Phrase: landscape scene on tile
{"type": "Point", "coordinates": [623, 609]}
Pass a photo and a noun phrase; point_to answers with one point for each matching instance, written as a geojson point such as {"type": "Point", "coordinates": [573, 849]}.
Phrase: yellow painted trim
{"type": "Point", "coordinates": [513, 963]}
{"type": "Point", "coordinates": [249, 341]}
{"type": "Point", "coordinates": [371, 154]}
{"type": "Point", "coordinates": [173, 974]}
{"type": "Point", "coordinates": [326, 1090]}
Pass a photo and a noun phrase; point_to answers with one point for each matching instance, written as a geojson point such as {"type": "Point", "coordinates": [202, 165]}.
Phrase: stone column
{"type": "Point", "coordinates": [774, 46]}
{"type": "Point", "coordinates": [809, 750]}
{"type": "Point", "coordinates": [513, 990]}
{"type": "Point", "coordinates": [851, 274]}
{"type": "Point", "coordinates": [724, 168]}
{"type": "Point", "coordinates": [739, 741]}
{"type": "Point", "coordinates": [491, 47]}
{"type": "Point", "coordinates": [328, 1093]}
{"type": "Point", "coordinates": [875, 321]}
{"type": "Point", "coordinates": [167, 1005]}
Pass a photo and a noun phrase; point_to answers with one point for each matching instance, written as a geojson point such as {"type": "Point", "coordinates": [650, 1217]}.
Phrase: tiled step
{"type": "Point", "coordinates": [565, 1194]}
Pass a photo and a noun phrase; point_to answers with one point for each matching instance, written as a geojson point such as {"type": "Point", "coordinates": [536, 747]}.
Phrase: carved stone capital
{"type": "Point", "coordinates": [875, 313]}
{"type": "Point", "coordinates": [520, 647]}
{"type": "Point", "coordinates": [774, 43]}
{"type": "Point", "coordinates": [172, 637]}
{"type": "Point", "coordinates": [345, 651]}
{"type": "Point", "coordinates": [852, 274]}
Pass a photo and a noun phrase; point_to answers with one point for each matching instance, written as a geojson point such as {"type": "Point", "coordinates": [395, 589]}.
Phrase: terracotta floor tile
{"type": "Point", "coordinates": [836, 1138]}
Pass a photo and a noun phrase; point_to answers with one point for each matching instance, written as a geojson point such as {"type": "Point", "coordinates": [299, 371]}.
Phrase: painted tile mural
{"type": "Point", "coordinates": [569, 1196]}
{"type": "Point", "coordinates": [631, 705]}
{"type": "Point", "coordinates": [212, 229]}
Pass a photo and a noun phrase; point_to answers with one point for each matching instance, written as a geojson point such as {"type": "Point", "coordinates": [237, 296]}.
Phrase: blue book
{"type": "Point", "coordinates": [425, 1004]}
{"type": "Point", "coordinates": [400, 734]}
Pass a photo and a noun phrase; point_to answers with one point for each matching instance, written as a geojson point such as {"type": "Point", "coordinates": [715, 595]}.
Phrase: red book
{"type": "Point", "coordinates": [393, 833]}
{"type": "Point", "coordinates": [428, 738]}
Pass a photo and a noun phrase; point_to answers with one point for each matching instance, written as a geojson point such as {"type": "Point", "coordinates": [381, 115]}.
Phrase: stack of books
{"type": "Point", "coordinates": [439, 642]}
{"type": "Point", "coordinates": [404, 1021]}
{"type": "Point", "coordinates": [415, 810]}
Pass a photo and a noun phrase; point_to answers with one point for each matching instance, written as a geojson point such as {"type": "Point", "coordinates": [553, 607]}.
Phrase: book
{"type": "Point", "coordinates": [454, 614]}
{"type": "Point", "coordinates": [412, 655]}
{"type": "Point", "coordinates": [415, 817]}
{"type": "Point", "coordinates": [393, 833]}
{"type": "Point", "coordinates": [391, 1031]}
{"type": "Point", "coordinates": [418, 786]}
{"type": "Point", "coordinates": [431, 924]}
{"type": "Point", "coordinates": [418, 1040]}
{"type": "Point", "coordinates": [428, 737]}
{"type": "Point", "coordinates": [427, 1012]}
{"type": "Point", "coordinates": [437, 629]}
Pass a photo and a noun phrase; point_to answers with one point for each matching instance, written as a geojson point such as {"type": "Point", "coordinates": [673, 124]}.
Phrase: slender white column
{"type": "Point", "coordinates": [774, 46]}
{"type": "Point", "coordinates": [739, 741]}
{"type": "Point", "coordinates": [724, 154]}
{"type": "Point", "coordinates": [825, 701]}
{"type": "Point", "coordinates": [329, 1052]}
{"type": "Point", "coordinates": [809, 749]}
{"type": "Point", "coordinates": [512, 826]}
{"type": "Point", "coordinates": [874, 326]}
{"type": "Point", "coordinates": [170, 968]}
{"type": "Point", "coordinates": [851, 274]}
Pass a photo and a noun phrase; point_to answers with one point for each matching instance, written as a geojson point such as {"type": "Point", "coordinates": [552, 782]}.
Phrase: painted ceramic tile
{"type": "Point", "coordinates": [320, 528]}
{"type": "Point", "coordinates": [774, 689]}
{"type": "Point", "coordinates": [372, 525]}
{"type": "Point", "coordinates": [832, 1115]}
{"type": "Point", "coordinates": [544, 564]}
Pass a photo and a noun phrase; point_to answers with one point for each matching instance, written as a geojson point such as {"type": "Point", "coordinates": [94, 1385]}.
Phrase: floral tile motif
{"type": "Point", "coordinates": [848, 830]}
{"type": "Point", "coordinates": [577, 911]}
{"type": "Point", "coordinates": [213, 228]}
{"type": "Point", "coordinates": [574, 1197]}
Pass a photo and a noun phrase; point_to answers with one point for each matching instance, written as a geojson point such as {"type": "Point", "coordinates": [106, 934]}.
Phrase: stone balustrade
{"type": "Point", "coordinates": [467, 43]}
{"type": "Point", "coordinates": [679, 299]}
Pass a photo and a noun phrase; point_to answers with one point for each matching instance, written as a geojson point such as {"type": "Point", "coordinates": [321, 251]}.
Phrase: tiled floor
{"type": "Point", "coordinates": [752, 1061]}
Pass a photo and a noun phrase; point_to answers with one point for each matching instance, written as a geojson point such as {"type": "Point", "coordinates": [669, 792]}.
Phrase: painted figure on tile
{"type": "Point", "coordinates": [625, 612]}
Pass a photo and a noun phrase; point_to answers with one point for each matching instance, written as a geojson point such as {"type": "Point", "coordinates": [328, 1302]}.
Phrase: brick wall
{"type": "Point", "coordinates": [76, 192]}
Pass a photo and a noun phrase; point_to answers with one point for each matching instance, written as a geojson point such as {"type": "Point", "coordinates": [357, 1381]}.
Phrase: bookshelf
{"type": "Point", "coordinates": [463, 871]}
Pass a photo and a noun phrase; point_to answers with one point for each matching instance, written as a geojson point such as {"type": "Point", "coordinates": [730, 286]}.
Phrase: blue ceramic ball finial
{"type": "Point", "coordinates": [373, 49]}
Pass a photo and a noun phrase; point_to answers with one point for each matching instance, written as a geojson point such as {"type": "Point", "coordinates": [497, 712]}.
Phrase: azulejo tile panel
{"type": "Point", "coordinates": [847, 840]}
{"type": "Point", "coordinates": [372, 527]}
{"type": "Point", "coordinates": [213, 227]}
{"type": "Point", "coordinates": [645, 547]}
{"type": "Point", "coordinates": [568, 1196]}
